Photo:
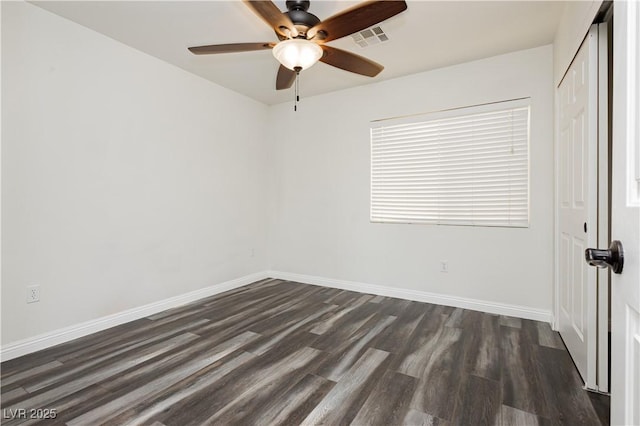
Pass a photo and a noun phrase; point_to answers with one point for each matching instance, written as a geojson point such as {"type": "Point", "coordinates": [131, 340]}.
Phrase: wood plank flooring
{"type": "Point", "coordinates": [278, 352]}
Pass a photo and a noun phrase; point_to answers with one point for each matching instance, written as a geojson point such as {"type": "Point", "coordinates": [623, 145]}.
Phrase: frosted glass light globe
{"type": "Point", "coordinates": [297, 52]}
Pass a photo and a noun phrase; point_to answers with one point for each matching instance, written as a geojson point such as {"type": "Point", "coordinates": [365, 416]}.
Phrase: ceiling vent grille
{"type": "Point", "coordinates": [370, 36]}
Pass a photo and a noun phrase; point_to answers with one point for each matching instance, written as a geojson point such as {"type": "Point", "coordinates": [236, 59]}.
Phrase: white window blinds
{"type": "Point", "coordinates": [468, 166]}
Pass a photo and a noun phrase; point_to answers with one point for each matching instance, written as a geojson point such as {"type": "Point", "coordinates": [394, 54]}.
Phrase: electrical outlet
{"type": "Point", "coordinates": [33, 293]}
{"type": "Point", "coordinates": [444, 266]}
{"type": "Point", "coordinates": [252, 252]}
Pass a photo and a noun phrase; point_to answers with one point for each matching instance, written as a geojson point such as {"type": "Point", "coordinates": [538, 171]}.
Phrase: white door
{"type": "Point", "coordinates": [625, 215]}
{"type": "Point", "coordinates": [577, 230]}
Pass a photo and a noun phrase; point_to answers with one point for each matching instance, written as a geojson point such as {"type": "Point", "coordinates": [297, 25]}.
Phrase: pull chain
{"type": "Point", "coordinates": [297, 88]}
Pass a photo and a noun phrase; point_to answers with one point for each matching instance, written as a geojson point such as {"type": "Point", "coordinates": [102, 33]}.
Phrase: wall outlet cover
{"type": "Point", "coordinates": [33, 293]}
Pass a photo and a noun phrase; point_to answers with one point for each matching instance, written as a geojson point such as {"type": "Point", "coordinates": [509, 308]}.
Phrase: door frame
{"type": "Point", "coordinates": [603, 279]}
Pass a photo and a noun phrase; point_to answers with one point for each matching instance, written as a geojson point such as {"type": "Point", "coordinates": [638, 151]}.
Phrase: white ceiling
{"type": "Point", "coordinates": [428, 35]}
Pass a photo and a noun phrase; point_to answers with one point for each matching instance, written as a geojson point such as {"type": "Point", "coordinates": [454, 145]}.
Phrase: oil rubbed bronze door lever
{"type": "Point", "coordinates": [613, 257]}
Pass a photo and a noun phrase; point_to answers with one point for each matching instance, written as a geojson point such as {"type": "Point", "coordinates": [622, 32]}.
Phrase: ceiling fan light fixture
{"type": "Point", "coordinates": [297, 53]}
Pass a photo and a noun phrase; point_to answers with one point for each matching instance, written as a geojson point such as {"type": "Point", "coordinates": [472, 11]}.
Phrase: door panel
{"type": "Point", "coordinates": [579, 278]}
{"type": "Point", "coordinates": [625, 215]}
{"type": "Point", "coordinates": [578, 207]}
{"type": "Point", "coordinates": [578, 142]}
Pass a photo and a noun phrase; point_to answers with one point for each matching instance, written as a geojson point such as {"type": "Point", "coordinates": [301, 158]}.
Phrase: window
{"type": "Point", "coordinates": [466, 166]}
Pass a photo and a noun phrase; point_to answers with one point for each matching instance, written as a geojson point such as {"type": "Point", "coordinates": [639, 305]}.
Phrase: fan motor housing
{"type": "Point", "coordinates": [297, 12]}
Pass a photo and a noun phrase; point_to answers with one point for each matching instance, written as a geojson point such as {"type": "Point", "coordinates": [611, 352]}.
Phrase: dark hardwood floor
{"type": "Point", "coordinates": [278, 352]}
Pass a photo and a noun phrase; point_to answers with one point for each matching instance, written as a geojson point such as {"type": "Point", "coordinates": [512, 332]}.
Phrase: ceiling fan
{"type": "Point", "coordinates": [302, 36]}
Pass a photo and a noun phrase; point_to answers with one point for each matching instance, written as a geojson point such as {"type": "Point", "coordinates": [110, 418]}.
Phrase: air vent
{"type": "Point", "coordinates": [370, 36]}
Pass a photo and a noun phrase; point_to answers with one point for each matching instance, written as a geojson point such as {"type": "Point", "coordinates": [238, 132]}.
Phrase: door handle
{"type": "Point", "coordinates": [613, 257]}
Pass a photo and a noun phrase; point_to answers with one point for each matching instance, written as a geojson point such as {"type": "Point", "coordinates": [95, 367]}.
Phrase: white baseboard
{"type": "Point", "coordinates": [421, 296]}
{"type": "Point", "coordinates": [46, 340]}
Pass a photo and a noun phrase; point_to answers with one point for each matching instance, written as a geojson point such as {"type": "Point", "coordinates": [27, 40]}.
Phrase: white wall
{"type": "Point", "coordinates": [125, 180]}
{"type": "Point", "coordinates": [321, 215]}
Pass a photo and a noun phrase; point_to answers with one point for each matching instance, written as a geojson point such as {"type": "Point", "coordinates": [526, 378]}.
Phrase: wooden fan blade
{"type": "Point", "coordinates": [285, 78]}
{"type": "Point", "coordinates": [229, 48]}
{"type": "Point", "coordinates": [273, 16]}
{"type": "Point", "coordinates": [355, 19]}
{"type": "Point", "coordinates": [350, 61]}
